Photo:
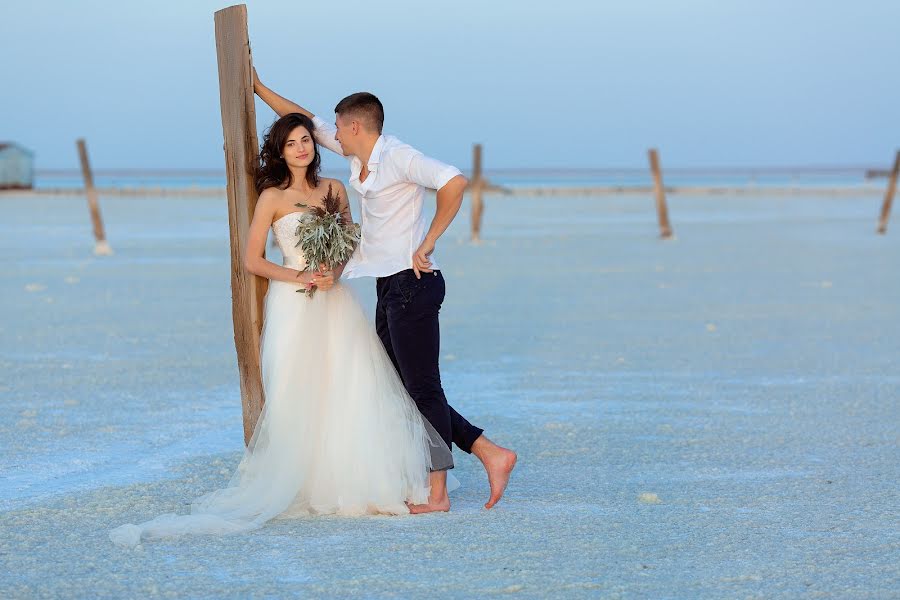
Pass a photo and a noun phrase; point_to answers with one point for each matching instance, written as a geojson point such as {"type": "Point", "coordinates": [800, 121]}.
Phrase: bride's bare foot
{"type": "Point", "coordinates": [432, 506]}
{"type": "Point", "coordinates": [498, 462]}
{"type": "Point", "coordinates": [438, 499]}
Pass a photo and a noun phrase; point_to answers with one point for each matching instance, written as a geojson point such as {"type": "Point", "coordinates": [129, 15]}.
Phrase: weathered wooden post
{"type": "Point", "coordinates": [662, 212]}
{"type": "Point", "coordinates": [889, 196]}
{"type": "Point", "coordinates": [477, 187]}
{"type": "Point", "coordinates": [101, 246]}
{"type": "Point", "coordinates": [241, 151]}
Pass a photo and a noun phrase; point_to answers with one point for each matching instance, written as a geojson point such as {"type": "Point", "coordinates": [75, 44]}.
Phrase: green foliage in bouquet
{"type": "Point", "coordinates": [324, 237]}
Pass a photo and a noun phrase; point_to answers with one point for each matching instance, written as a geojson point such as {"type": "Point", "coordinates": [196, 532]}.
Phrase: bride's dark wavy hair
{"type": "Point", "coordinates": [272, 170]}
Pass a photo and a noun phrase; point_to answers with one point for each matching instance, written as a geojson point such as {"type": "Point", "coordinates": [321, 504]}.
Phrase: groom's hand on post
{"type": "Point", "coordinates": [421, 259]}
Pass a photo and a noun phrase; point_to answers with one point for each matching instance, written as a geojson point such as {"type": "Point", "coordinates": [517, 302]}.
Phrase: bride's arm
{"type": "Point", "coordinates": [254, 254]}
{"type": "Point", "coordinates": [325, 131]}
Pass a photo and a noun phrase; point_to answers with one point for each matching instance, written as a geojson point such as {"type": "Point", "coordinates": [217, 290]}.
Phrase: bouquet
{"type": "Point", "coordinates": [324, 238]}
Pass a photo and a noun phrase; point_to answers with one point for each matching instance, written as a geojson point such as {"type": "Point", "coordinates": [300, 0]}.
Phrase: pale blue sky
{"type": "Point", "coordinates": [551, 84]}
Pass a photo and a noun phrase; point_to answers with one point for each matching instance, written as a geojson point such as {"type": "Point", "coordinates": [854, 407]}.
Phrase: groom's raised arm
{"type": "Point", "coordinates": [325, 131]}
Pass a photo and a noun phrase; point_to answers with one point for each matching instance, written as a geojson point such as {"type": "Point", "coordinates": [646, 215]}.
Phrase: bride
{"type": "Point", "coordinates": [338, 433]}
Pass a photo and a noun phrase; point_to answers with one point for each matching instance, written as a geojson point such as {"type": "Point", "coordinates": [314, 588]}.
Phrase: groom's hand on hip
{"type": "Point", "coordinates": [421, 259]}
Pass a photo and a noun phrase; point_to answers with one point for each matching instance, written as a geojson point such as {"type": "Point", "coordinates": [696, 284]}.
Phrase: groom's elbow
{"type": "Point", "coordinates": [455, 187]}
{"type": "Point", "coordinates": [460, 182]}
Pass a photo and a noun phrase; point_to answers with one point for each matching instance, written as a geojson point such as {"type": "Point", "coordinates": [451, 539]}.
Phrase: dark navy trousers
{"type": "Point", "coordinates": [406, 319]}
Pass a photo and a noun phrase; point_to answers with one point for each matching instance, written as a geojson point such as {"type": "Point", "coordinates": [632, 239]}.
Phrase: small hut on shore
{"type": "Point", "coordinates": [16, 167]}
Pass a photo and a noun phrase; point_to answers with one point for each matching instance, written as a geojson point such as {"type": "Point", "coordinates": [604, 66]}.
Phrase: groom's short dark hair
{"type": "Point", "coordinates": [365, 107]}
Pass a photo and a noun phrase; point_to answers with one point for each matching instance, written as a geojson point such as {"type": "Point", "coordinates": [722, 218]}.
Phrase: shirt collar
{"type": "Point", "coordinates": [375, 157]}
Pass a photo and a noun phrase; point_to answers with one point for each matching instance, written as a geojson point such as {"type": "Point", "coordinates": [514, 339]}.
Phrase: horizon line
{"type": "Point", "coordinates": [712, 170]}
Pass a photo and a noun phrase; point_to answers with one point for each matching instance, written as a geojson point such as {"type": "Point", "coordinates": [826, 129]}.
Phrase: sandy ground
{"type": "Point", "coordinates": [715, 416]}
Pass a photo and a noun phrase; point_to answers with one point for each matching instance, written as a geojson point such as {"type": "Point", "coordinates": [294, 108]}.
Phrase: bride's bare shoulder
{"type": "Point", "coordinates": [269, 203]}
{"type": "Point", "coordinates": [270, 194]}
{"type": "Point", "coordinates": [335, 184]}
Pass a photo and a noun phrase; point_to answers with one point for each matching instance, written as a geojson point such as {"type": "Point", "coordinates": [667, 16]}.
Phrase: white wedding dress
{"type": "Point", "coordinates": [338, 433]}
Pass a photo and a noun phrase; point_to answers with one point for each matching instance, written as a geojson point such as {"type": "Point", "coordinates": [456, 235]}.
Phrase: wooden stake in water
{"type": "Point", "coordinates": [101, 246]}
{"type": "Point", "coordinates": [239, 126]}
{"type": "Point", "coordinates": [662, 211]}
{"type": "Point", "coordinates": [889, 196]}
{"type": "Point", "coordinates": [477, 187]}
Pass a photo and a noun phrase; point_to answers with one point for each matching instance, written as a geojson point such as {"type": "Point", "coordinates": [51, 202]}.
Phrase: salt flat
{"type": "Point", "coordinates": [714, 416]}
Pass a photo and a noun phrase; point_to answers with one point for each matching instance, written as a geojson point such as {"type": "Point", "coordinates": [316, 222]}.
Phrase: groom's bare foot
{"type": "Point", "coordinates": [498, 462]}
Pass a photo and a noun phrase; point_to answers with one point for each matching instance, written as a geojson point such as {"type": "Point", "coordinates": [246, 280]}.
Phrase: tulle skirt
{"type": "Point", "coordinates": [338, 433]}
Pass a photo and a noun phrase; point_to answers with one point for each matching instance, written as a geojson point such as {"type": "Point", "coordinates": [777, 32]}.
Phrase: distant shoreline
{"type": "Point", "coordinates": [797, 180]}
{"type": "Point", "coordinates": [751, 171]}
{"type": "Point", "coordinates": [609, 190]}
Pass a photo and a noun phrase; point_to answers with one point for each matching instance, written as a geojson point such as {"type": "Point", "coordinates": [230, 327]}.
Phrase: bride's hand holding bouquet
{"type": "Point", "coordinates": [327, 241]}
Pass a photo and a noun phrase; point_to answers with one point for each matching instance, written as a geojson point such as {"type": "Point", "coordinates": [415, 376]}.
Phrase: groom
{"type": "Point", "coordinates": [396, 248]}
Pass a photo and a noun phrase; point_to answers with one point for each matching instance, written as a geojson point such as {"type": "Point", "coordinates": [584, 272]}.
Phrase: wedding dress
{"type": "Point", "coordinates": [338, 433]}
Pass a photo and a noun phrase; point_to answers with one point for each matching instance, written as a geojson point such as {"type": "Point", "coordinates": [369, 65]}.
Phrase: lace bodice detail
{"type": "Point", "coordinates": [285, 230]}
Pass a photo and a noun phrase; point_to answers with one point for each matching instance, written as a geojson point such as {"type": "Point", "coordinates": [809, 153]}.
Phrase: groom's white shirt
{"type": "Point", "coordinates": [391, 202]}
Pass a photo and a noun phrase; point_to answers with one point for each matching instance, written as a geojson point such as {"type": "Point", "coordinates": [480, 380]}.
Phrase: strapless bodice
{"type": "Point", "coordinates": [285, 230]}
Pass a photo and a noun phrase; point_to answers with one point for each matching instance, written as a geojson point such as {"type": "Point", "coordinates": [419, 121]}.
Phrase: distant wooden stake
{"type": "Point", "coordinates": [662, 212]}
{"type": "Point", "coordinates": [239, 126]}
{"type": "Point", "coordinates": [101, 246]}
{"type": "Point", "coordinates": [477, 187]}
{"type": "Point", "coordinates": [889, 196]}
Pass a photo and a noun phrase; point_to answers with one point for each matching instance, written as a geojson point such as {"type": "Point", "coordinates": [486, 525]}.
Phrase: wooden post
{"type": "Point", "coordinates": [101, 246]}
{"type": "Point", "coordinates": [241, 150]}
{"type": "Point", "coordinates": [477, 186]}
{"type": "Point", "coordinates": [889, 196]}
{"type": "Point", "coordinates": [662, 212]}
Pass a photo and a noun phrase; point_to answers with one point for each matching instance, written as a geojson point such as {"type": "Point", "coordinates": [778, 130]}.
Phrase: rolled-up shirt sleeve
{"type": "Point", "coordinates": [429, 172]}
{"type": "Point", "coordinates": [324, 135]}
